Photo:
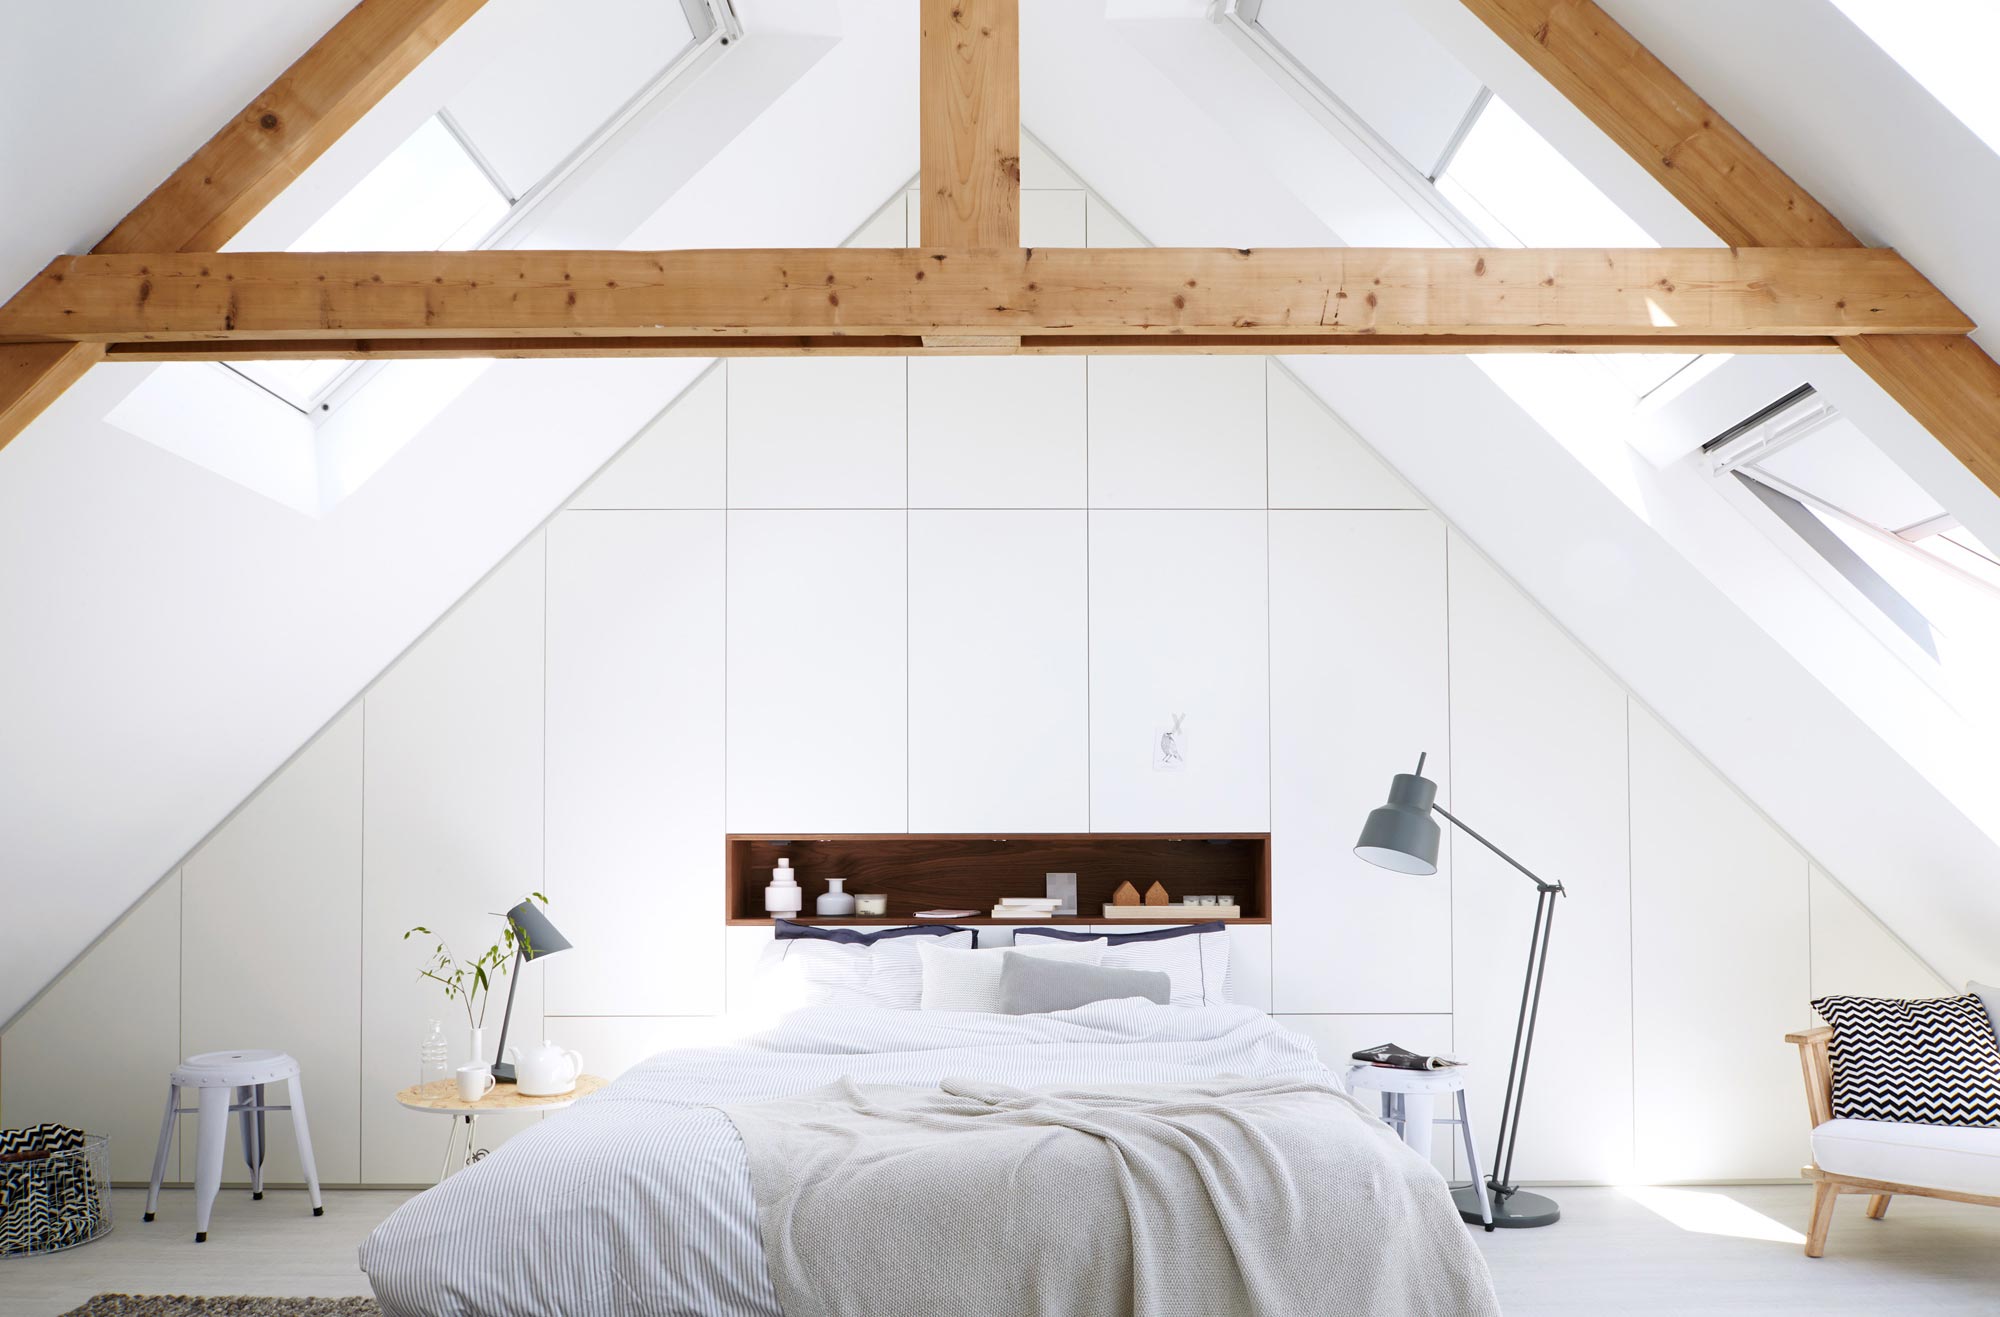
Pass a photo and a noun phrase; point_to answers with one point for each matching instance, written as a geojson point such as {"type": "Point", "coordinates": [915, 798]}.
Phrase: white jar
{"type": "Point", "coordinates": [783, 896]}
{"type": "Point", "coordinates": [835, 901]}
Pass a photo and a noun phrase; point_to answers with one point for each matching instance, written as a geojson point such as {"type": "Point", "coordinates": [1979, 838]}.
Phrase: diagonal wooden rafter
{"type": "Point", "coordinates": [209, 199]}
{"type": "Point", "coordinates": [1949, 384]}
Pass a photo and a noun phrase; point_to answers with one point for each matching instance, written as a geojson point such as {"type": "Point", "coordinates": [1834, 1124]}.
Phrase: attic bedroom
{"type": "Point", "coordinates": [878, 657]}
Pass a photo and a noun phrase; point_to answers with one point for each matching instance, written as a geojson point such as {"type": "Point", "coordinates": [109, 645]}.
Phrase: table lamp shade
{"type": "Point", "coordinates": [1402, 835]}
{"type": "Point", "coordinates": [537, 936]}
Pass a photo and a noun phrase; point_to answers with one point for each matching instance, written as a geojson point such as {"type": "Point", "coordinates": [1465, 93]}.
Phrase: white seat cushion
{"type": "Point", "coordinates": [1962, 1159]}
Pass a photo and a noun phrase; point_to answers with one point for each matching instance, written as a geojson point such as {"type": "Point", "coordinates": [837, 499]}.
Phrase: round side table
{"type": "Point", "coordinates": [441, 1098]}
{"type": "Point", "coordinates": [1407, 1101]}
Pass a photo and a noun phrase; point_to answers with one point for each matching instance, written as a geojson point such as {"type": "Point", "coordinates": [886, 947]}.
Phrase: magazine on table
{"type": "Point", "coordinates": [1402, 1058]}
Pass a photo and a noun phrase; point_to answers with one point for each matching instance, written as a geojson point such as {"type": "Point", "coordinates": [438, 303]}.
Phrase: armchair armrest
{"type": "Point", "coordinates": [1816, 1063]}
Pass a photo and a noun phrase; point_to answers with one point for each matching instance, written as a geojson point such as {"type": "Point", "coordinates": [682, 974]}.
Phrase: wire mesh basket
{"type": "Point", "coordinates": [55, 1189]}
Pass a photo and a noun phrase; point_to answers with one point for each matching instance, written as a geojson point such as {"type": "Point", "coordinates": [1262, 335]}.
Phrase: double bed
{"type": "Point", "coordinates": [642, 1199]}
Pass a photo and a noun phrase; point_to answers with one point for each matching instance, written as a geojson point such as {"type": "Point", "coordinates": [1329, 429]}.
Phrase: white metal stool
{"type": "Point", "coordinates": [227, 1083]}
{"type": "Point", "coordinates": [1407, 1096]}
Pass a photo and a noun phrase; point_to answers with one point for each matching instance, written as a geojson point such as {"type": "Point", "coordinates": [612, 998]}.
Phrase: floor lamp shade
{"type": "Point", "coordinates": [1402, 835]}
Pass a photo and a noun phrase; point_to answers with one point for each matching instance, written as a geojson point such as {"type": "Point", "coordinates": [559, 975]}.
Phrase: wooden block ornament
{"type": "Point", "coordinates": [1126, 894]}
{"type": "Point", "coordinates": [1156, 895]}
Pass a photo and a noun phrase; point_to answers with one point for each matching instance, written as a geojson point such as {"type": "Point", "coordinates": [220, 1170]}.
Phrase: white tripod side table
{"type": "Point", "coordinates": [441, 1098]}
{"type": "Point", "coordinates": [1407, 1098]}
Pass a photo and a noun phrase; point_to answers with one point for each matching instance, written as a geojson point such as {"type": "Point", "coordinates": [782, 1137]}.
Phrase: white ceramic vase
{"type": "Point", "coordinates": [478, 1056]}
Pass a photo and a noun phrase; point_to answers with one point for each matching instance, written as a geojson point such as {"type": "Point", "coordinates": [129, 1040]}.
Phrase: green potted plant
{"type": "Point", "coordinates": [469, 983]}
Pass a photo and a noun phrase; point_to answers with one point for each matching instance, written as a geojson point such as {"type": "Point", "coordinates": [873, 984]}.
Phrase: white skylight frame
{"type": "Point", "coordinates": [714, 25]}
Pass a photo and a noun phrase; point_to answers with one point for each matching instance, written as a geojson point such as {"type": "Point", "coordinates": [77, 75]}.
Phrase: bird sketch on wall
{"type": "Point", "coordinates": [1170, 750]}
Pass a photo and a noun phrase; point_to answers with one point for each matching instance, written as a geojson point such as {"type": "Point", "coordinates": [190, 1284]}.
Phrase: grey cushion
{"type": "Point", "coordinates": [1030, 985]}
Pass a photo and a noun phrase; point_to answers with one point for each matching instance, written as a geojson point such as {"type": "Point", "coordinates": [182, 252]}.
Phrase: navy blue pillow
{"type": "Point", "coordinates": [1120, 939]}
{"type": "Point", "coordinates": [853, 937]}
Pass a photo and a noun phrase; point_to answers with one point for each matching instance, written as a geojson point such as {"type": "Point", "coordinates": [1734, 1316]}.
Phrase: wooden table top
{"type": "Point", "coordinates": [443, 1096]}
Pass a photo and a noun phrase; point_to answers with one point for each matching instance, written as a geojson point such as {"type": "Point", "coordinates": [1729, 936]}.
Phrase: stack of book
{"type": "Point", "coordinates": [1026, 907]}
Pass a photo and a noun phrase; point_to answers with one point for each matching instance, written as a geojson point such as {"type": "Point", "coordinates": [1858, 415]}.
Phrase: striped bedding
{"type": "Point", "coordinates": [638, 1199]}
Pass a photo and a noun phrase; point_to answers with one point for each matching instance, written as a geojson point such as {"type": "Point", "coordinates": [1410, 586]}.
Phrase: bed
{"type": "Point", "coordinates": [640, 1199]}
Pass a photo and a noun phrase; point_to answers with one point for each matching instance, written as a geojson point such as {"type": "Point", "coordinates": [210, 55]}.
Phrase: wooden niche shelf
{"type": "Point", "coordinates": [962, 872]}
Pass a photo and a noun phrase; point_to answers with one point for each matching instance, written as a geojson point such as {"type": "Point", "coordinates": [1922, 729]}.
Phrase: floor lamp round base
{"type": "Point", "coordinates": [1519, 1210]}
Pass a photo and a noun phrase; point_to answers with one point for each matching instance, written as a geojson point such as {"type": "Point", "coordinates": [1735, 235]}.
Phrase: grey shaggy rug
{"type": "Point", "coordinates": [224, 1305]}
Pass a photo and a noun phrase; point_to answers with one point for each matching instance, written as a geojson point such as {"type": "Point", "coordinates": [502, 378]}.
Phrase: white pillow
{"type": "Point", "coordinates": [1990, 997]}
{"type": "Point", "coordinates": [1197, 963]}
{"type": "Point", "coordinates": [970, 980]}
{"type": "Point", "coordinates": [806, 971]}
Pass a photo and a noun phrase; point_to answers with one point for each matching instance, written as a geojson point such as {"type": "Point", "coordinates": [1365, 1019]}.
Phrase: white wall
{"type": "Point", "coordinates": [674, 657]}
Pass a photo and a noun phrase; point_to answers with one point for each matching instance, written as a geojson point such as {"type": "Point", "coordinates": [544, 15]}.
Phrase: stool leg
{"type": "Point", "coordinates": [212, 1136]}
{"type": "Point", "coordinates": [304, 1134]}
{"type": "Point", "coordinates": [1472, 1162]}
{"type": "Point", "coordinates": [160, 1156]}
{"type": "Point", "coordinates": [1416, 1109]}
{"type": "Point", "coordinates": [256, 1130]}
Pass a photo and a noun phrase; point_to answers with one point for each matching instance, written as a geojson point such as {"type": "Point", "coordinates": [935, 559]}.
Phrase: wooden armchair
{"type": "Point", "coordinates": [1815, 1061]}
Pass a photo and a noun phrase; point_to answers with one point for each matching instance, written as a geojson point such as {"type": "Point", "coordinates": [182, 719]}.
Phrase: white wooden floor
{"type": "Point", "coordinates": [1725, 1250]}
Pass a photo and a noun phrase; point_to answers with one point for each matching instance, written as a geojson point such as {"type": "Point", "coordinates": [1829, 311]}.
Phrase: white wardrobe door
{"type": "Point", "coordinates": [999, 672]}
{"type": "Point", "coordinates": [817, 432]}
{"type": "Point", "coordinates": [680, 460]}
{"type": "Point", "coordinates": [818, 674]}
{"type": "Point", "coordinates": [635, 655]}
{"type": "Point", "coordinates": [1358, 682]}
{"type": "Point", "coordinates": [270, 919]}
{"type": "Point", "coordinates": [1177, 432]}
{"type": "Point", "coordinates": [1854, 955]}
{"type": "Point", "coordinates": [1317, 461]}
{"type": "Point", "coordinates": [1177, 631]}
{"type": "Point", "coordinates": [454, 832]}
{"type": "Point", "coordinates": [997, 432]}
{"type": "Point", "coordinates": [1720, 973]}
{"type": "Point", "coordinates": [1538, 765]}
{"type": "Point", "coordinates": [94, 1050]}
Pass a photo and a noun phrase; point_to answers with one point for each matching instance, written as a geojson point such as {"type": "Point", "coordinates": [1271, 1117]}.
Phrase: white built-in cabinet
{"type": "Point", "coordinates": [817, 432]}
{"type": "Point", "coordinates": [271, 931]}
{"type": "Point", "coordinates": [1538, 767]}
{"type": "Point", "coordinates": [679, 460]}
{"type": "Point", "coordinates": [94, 1050]}
{"type": "Point", "coordinates": [999, 672]}
{"type": "Point", "coordinates": [1359, 683]}
{"type": "Point", "coordinates": [818, 687]}
{"type": "Point", "coordinates": [997, 432]}
{"type": "Point", "coordinates": [1721, 970]}
{"type": "Point", "coordinates": [635, 732]}
{"type": "Point", "coordinates": [1178, 631]}
{"type": "Point", "coordinates": [1853, 955]}
{"type": "Point", "coordinates": [454, 780]}
{"type": "Point", "coordinates": [1177, 432]}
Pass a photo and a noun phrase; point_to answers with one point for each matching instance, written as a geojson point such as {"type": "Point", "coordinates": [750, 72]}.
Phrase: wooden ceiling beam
{"type": "Point", "coordinates": [1151, 294]}
{"type": "Point", "coordinates": [913, 345]}
{"type": "Point", "coordinates": [209, 199]}
{"type": "Point", "coordinates": [970, 131]}
{"type": "Point", "coordinates": [1950, 385]}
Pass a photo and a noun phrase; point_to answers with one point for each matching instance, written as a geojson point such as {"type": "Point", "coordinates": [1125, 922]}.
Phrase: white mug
{"type": "Point", "coordinates": [475, 1082]}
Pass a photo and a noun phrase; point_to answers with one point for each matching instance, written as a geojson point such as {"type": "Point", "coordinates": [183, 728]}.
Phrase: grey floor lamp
{"type": "Point", "coordinates": [1401, 836]}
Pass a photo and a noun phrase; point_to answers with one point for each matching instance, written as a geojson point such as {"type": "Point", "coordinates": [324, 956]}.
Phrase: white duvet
{"type": "Point", "coordinates": [638, 1200]}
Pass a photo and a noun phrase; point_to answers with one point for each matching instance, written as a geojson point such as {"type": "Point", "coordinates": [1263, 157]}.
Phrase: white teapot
{"type": "Point", "coordinates": [544, 1070]}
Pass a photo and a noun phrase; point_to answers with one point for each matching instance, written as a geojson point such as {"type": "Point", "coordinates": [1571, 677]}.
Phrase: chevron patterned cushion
{"type": "Point", "coordinates": [1933, 1061]}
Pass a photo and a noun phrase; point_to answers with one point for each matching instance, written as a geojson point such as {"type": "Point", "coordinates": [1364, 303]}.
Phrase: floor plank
{"type": "Point", "coordinates": [1658, 1251]}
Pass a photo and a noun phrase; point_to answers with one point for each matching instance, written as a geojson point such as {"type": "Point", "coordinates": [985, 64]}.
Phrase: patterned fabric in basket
{"type": "Point", "coordinates": [48, 1200]}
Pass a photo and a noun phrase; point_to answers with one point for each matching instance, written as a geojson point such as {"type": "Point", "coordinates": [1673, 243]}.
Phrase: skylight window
{"type": "Point", "coordinates": [1907, 560]}
{"type": "Point", "coordinates": [1519, 191]}
{"type": "Point", "coordinates": [1946, 45]}
{"type": "Point", "coordinates": [429, 194]}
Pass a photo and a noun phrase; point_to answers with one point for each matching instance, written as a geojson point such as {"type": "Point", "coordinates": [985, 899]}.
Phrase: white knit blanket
{"type": "Point", "coordinates": [1252, 1197]}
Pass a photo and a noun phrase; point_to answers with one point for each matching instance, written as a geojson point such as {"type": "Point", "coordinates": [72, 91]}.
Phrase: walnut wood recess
{"type": "Point", "coordinates": [972, 872]}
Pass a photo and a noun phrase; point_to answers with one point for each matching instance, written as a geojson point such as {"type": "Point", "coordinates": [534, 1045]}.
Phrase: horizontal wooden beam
{"type": "Point", "coordinates": [1151, 294]}
{"type": "Point", "coordinates": [911, 345]}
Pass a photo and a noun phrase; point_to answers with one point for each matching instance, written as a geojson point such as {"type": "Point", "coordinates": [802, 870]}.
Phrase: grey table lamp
{"type": "Point", "coordinates": [1403, 837]}
{"type": "Point", "coordinates": [534, 937]}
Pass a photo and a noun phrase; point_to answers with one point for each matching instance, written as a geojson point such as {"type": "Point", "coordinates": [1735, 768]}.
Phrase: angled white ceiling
{"type": "Point", "coordinates": [189, 635]}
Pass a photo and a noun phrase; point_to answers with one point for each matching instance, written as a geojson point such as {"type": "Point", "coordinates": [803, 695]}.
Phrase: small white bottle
{"type": "Point", "coordinates": [783, 896]}
{"type": "Point", "coordinates": [835, 901]}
